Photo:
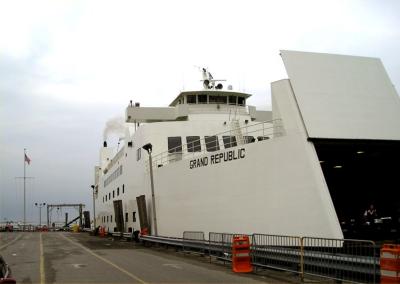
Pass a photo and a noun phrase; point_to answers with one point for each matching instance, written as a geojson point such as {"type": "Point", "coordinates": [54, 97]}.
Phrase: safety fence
{"type": "Point", "coordinates": [353, 261]}
{"type": "Point", "coordinates": [193, 241]}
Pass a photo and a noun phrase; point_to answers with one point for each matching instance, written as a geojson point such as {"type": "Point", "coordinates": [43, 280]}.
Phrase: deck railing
{"type": "Point", "coordinates": [234, 137]}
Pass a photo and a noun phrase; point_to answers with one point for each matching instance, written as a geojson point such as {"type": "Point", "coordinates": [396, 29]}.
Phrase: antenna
{"type": "Point", "coordinates": [208, 80]}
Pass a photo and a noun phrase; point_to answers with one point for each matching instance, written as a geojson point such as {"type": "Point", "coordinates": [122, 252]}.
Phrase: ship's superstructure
{"type": "Point", "coordinates": [220, 165]}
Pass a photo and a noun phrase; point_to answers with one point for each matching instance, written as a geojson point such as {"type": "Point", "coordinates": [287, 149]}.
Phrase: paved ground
{"type": "Point", "coordinates": [79, 258]}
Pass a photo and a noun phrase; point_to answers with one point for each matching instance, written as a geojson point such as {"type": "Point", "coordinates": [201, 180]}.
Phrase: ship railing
{"type": "Point", "coordinates": [354, 261]}
{"type": "Point", "coordinates": [233, 137]}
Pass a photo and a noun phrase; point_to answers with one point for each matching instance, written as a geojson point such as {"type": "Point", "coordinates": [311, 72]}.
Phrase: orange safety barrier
{"type": "Point", "coordinates": [102, 232]}
{"type": "Point", "coordinates": [241, 261]}
{"type": "Point", "coordinates": [144, 232]}
{"type": "Point", "coordinates": [390, 264]}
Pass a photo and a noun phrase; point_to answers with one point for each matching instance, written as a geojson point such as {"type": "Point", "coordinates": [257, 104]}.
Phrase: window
{"type": "Point", "coordinates": [126, 217]}
{"type": "Point", "coordinates": [249, 139]}
{"type": "Point", "coordinates": [191, 99]}
{"type": "Point", "coordinates": [138, 154]}
{"type": "Point", "coordinates": [217, 99]}
{"type": "Point", "coordinates": [113, 193]}
{"type": "Point", "coordinates": [193, 143]}
{"type": "Point", "coordinates": [232, 100]}
{"type": "Point", "coordinates": [111, 218]}
{"type": "Point", "coordinates": [174, 144]}
{"type": "Point", "coordinates": [109, 196]}
{"type": "Point", "coordinates": [202, 99]}
{"type": "Point", "coordinates": [134, 216]}
{"type": "Point", "coordinates": [123, 188]}
{"type": "Point", "coordinates": [106, 197]}
{"type": "Point", "coordinates": [118, 191]}
{"type": "Point", "coordinates": [261, 138]}
{"type": "Point", "coordinates": [241, 101]}
{"type": "Point", "coordinates": [211, 143]}
{"type": "Point", "coordinates": [103, 199]}
{"type": "Point", "coordinates": [107, 219]}
{"type": "Point", "coordinates": [229, 141]}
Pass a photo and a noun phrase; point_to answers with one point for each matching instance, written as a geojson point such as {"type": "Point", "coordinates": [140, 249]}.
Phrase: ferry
{"type": "Point", "coordinates": [311, 166]}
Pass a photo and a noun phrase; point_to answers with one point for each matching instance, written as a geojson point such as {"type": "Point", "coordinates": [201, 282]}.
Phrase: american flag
{"type": "Point", "coordinates": [27, 159]}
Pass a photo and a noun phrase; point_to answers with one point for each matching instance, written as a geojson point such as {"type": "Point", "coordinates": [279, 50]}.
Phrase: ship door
{"type": "Point", "coordinates": [119, 216]}
{"type": "Point", "coordinates": [141, 204]}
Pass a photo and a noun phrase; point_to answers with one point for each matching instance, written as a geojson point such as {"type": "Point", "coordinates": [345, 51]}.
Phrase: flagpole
{"type": "Point", "coordinates": [24, 188]}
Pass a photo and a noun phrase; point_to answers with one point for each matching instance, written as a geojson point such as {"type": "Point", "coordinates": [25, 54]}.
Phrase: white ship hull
{"type": "Point", "coordinates": [275, 186]}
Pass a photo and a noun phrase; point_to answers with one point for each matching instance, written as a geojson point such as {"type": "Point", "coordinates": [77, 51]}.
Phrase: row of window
{"type": "Point", "coordinates": [106, 219]}
{"type": "Point", "coordinates": [212, 99]}
{"type": "Point", "coordinates": [108, 196]}
{"type": "Point", "coordinates": [113, 176]}
{"type": "Point", "coordinates": [211, 142]}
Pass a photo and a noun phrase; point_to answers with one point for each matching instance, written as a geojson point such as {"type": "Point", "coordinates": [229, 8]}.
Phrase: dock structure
{"type": "Point", "coordinates": [78, 206]}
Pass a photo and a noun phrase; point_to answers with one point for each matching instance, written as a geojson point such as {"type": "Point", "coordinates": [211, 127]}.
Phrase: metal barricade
{"type": "Point", "coordinates": [220, 245]}
{"type": "Point", "coordinates": [193, 241]}
{"type": "Point", "coordinates": [277, 252]}
{"type": "Point", "coordinates": [349, 260]}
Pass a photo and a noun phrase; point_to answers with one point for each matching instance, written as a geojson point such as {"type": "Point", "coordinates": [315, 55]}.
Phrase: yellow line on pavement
{"type": "Point", "coordinates": [9, 243]}
{"type": "Point", "coordinates": [42, 274]}
{"type": "Point", "coordinates": [106, 260]}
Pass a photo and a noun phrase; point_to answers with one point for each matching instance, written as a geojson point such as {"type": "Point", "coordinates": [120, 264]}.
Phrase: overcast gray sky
{"type": "Point", "coordinates": [67, 67]}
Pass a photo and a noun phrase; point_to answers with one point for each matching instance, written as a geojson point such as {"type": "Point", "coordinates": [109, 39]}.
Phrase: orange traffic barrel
{"type": "Point", "coordinates": [390, 264]}
{"type": "Point", "coordinates": [144, 232]}
{"type": "Point", "coordinates": [241, 260]}
{"type": "Point", "coordinates": [102, 232]}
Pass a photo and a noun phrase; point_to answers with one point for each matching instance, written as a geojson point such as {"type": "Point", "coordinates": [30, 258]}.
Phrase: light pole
{"type": "Point", "coordinates": [94, 208]}
{"type": "Point", "coordinates": [148, 147]}
{"type": "Point", "coordinates": [40, 205]}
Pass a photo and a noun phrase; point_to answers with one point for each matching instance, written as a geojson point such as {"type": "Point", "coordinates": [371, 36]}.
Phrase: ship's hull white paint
{"type": "Point", "coordinates": [277, 188]}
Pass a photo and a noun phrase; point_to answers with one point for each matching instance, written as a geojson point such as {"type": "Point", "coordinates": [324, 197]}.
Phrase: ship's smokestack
{"type": "Point", "coordinates": [105, 144]}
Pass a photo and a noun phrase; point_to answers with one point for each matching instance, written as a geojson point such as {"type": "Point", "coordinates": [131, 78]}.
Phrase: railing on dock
{"type": "Point", "coordinates": [354, 261]}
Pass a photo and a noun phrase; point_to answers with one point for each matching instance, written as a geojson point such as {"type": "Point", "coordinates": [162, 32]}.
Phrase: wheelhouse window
{"type": "Point", "coordinates": [202, 99]}
{"type": "Point", "coordinates": [217, 99]}
{"type": "Point", "coordinates": [193, 143]}
{"type": "Point", "coordinates": [191, 99]}
{"type": "Point", "coordinates": [229, 141]}
{"type": "Point", "coordinates": [232, 100]}
{"type": "Point", "coordinates": [241, 101]}
{"type": "Point", "coordinates": [211, 143]}
{"type": "Point", "coordinates": [175, 144]}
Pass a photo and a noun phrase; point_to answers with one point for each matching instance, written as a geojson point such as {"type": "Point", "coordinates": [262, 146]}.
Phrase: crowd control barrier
{"type": "Point", "coordinates": [354, 261]}
{"type": "Point", "coordinates": [390, 264]}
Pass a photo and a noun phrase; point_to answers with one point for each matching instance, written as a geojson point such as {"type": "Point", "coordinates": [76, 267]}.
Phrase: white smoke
{"type": "Point", "coordinates": [114, 126]}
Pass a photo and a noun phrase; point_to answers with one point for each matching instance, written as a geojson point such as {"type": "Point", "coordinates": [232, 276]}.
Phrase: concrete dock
{"type": "Point", "coordinates": [62, 257]}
